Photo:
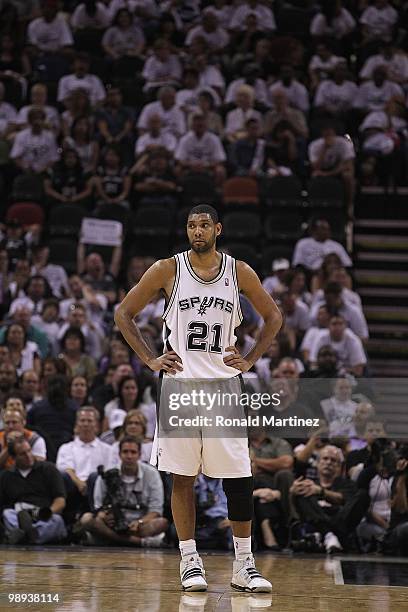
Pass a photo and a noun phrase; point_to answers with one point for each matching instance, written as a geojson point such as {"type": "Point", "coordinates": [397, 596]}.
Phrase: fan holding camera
{"type": "Point", "coordinates": [128, 502]}
{"type": "Point", "coordinates": [396, 539]}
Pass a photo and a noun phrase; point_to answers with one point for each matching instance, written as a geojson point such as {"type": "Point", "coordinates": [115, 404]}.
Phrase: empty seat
{"type": "Point", "coordinates": [282, 191]}
{"type": "Point", "coordinates": [113, 212]}
{"type": "Point", "coordinates": [326, 191]}
{"type": "Point", "coordinates": [241, 225]}
{"type": "Point", "coordinates": [244, 252]}
{"type": "Point", "coordinates": [152, 221]}
{"type": "Point", "coordinates": [27, 213]}
{"type": "Point", "coordinates": [27, 188]}
{"type": "Point", "coordinates": [240, 190]}
{"type": "Point", "coordinates": [63, 251]}
{"type": "Point", "coordinates": [279, 225]}
{"type": "Point", "coordinates": [65, 220]}
{"type": "Point", "coordinates": [198, 189]}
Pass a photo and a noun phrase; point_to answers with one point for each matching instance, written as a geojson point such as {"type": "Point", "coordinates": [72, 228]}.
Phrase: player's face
{"type": "Point", "coordinates": [202, 232]}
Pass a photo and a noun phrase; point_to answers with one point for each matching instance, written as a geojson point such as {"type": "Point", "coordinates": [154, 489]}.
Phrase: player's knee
{"type": "Point", "coordinates": [239, 498]}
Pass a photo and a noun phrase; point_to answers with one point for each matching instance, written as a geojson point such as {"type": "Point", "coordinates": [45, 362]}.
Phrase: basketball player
{"type": "Point", "coordinates": [199, 345]}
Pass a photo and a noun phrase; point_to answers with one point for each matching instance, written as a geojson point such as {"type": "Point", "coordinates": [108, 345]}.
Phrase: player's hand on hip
{"type": "Point", "coordinates": [236, 360]}
{"type": "Point", "coordinates": [169, 362]}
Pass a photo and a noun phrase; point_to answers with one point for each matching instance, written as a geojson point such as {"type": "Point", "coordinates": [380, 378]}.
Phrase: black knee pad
{"type": "Point", "coordinates": [239, 497]}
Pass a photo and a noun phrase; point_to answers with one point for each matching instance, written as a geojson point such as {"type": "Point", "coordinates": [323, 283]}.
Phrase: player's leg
{"type": "Point", "coordinates": [228, 458]}
{"type": "Point", "coordinates": [192, 572]}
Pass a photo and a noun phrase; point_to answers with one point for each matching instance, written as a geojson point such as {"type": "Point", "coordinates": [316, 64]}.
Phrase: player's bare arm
{"type": "Point", "coordinates": [251, 286]}
{"type": "Point", "coordinates": [158, 278]}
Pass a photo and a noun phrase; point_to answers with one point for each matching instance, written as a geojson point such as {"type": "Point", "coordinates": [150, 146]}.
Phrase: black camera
{"type": "Point", "coordinates": [114, 501]}
{"type": "Point", "coordinates": [40, 514]}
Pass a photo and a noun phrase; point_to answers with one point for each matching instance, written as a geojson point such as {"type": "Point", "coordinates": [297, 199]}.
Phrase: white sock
{"type": "Point", "coordinates": [187, 547]}
{"type": "Point", "coordinates": [242, 547]}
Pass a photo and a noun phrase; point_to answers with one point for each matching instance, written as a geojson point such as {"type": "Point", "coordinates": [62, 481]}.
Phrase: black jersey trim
{"type": "Point", "coordinates": [200, 280]}
{"type": "Point", "coordinates": [235, 279]}
{"type": "Point", "coordinates": [174, 289]}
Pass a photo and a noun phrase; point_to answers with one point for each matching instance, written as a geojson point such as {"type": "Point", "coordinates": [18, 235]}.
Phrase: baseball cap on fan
{"type": "Point", "coordinates": [280, 264]}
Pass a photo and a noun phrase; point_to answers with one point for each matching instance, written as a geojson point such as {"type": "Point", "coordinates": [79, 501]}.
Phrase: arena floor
{"type": "Point", "coordinates": [97, 580]}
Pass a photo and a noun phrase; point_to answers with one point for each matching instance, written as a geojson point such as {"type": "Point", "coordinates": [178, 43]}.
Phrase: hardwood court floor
{"type": "Point", "coordinates": [101, 580]}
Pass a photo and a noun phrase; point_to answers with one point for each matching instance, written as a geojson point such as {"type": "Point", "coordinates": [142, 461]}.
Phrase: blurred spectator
{"type": "Point", "coordinates": [55, 414]}
{"type": "Point", "coordinates": [247, 155]}
{"type": "Point", "coordinates": [36, 291]}
{"type": "Point", "coordinates": [376, 92]}
{"type": "Point", "coordinates": [378, 21]}
{"type": "Point", "coordinates": [296, 315]}
{"type": "Point", "coordinates": [282, 112]}
{"type": "Point", "coordinates": [297, 93]}
{"type": "Point", "coordinates": [333, 155]}
{"type": "Point", "coordinates": [50, 32]}
{"type": "Point", "coordinates": [331, 505]}
{"type": "Point", "coordinates": [79, 390]}
{"type": "Point", "coordinates": [333, 20]}
{"type": "Point", "coordinates": [112, 182]}
{"type": "Point", "coordinates": [347, 345]}
{"type": "Point", "coordinates": [81, 141]}
{"type": "Point", "coordinates": [55, 275]}
{"type": "Point", "coordinates": [92, 331]}
{"type": "Point", "coordinates": [200, 151]}
{"type": "Point", "coordinates": [393, 60]}
{"type": "Point", "coordinates": [206, 105]}
{"type": "Point", "coordinates": [81, 79]}
{"type": "Point", "coordinates": [73, 353]}
{"type": "Point", "coordinates": [34, 486]}
{"type": "Point", "coordinates": [34, 148]}
{"type": "Point", "coordinates": [155, 136]}
{"type": "Point", "coordinates": [264, 15]}
{"type": "Point", "coordinates": [209, 29]}
{"type": "Point", "coordinates": [162, 68]}
{"type": "Point", "coordinates": [309, 252]}
{"type": "Point", "coordinates": [78, 106]}
{"type": "Point", "coordinates": [337, 306]}
{"type": "Point", "coordinates": [156, 182]}
{"type": "Point", "coordinates": [133, 424]}
{"type": "Point", "coordinates": [48, 323]}
{"type": "Point", "coordinates": [92, 269]}
{"type": "Point", "coordinates": [275, 282]}
{"type": "Point", "coordinates": [210, 75]}
{"type": "Point", "coordinates": [29, 387]}
{"type": "Point", "coordinates": [323, 64]}
{"type": "Point", "coordinates": [339, 409]}
{"type": "Point", "coordinates": [90, 14]}
{"type": "Point", "coordinates": [66, 182]}
{"type": "Point", "coordinates": [8, 115]}
{"type": "Point", "coordinates": [22, 316]}
{"type": "Point", "coordinates": [396, 540]}
{"type": "Point", "coordinates": [235, 127]}
{"type": "Point", "coordinates": [94, 302]}
{"type": "Point", "coordinates": [172, 117]}
{"type": "Point", "coordinates": [128, 398]}
{"type": "Point", "coordinates": [313, 332]}
{"type": "Point", "coordinates": [23, 353]}
{"type": "Point", "coordinates": [14, 429]}
{"type": "Point", "coordinates": [250, 76]}
{"type": "Point", "coordinates": [115, 121]}
{"type": "Point", "coordinates": [336, 95]}
{"type": "Point", "coordinates": [124, 40]}
{"type": "Point", "coordinates": [213, 529]}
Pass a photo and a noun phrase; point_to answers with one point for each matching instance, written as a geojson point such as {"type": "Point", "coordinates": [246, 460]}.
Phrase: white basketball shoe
{"type": "Point", "coordinates": [192, 574]}
{"type": "Point", "coordinates": [245, 577]}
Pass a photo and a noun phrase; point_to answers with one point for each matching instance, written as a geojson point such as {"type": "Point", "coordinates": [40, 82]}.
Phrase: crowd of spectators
{"type": "Point", "coordinates": [115, 103]}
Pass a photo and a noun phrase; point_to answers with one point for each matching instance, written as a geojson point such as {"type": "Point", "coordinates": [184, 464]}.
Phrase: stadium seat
{"type": "Point", "coordinates": [243, 251]}
{"type": "Point", "coordinates": [282, 226]}
{"type": "Point", "coordinates": [181, 221]}
{"type": "Point", "coordinates": [240, 190]}
{"type": "Point", "coordinates": [27, 213]}
{"type": "Point", "coordinates": [63, 252]}
{"type": "Point", "coordinates": [113, 212]}
{"type": "Point", "coordinates": [276, 251]}
{"type": "Point", "coordinates": [27, 188]}
{"type": "Point", "coordinates": [326, 191]}
{"type": "Point", "coordinates": [65, 220]}
{"type": "Point", "coordinates": [282, 191]}
{"type": "Point", "coordinates": [198, 189]}
{"type": "Point", "coordinates": [241, 225]}
{"type": "Point", "coordinates": [155, 221]}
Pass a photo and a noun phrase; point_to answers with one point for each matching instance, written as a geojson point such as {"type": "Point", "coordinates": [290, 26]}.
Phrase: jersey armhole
{"type": "Point", "coordinates": [174, 289]}
{"type": "Point", "coordinates": [235, 279]}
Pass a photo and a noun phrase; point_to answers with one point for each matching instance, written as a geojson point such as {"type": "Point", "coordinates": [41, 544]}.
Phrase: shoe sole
{"type": "Point", "coordinates": [254, 590]}
{"type": "Point", "coordinates": [195, 588]}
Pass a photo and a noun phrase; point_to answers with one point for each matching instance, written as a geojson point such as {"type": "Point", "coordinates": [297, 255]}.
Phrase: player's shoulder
{"type": "Point", "coordinates": [164, 267]}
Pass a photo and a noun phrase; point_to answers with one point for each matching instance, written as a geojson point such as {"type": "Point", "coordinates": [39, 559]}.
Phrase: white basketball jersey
{"type": "Point", "coordinates": [201, 317]}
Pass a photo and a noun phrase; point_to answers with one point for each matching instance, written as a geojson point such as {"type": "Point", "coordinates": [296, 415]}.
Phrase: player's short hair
{"type": "Point", "coordinates": [204, 209]}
